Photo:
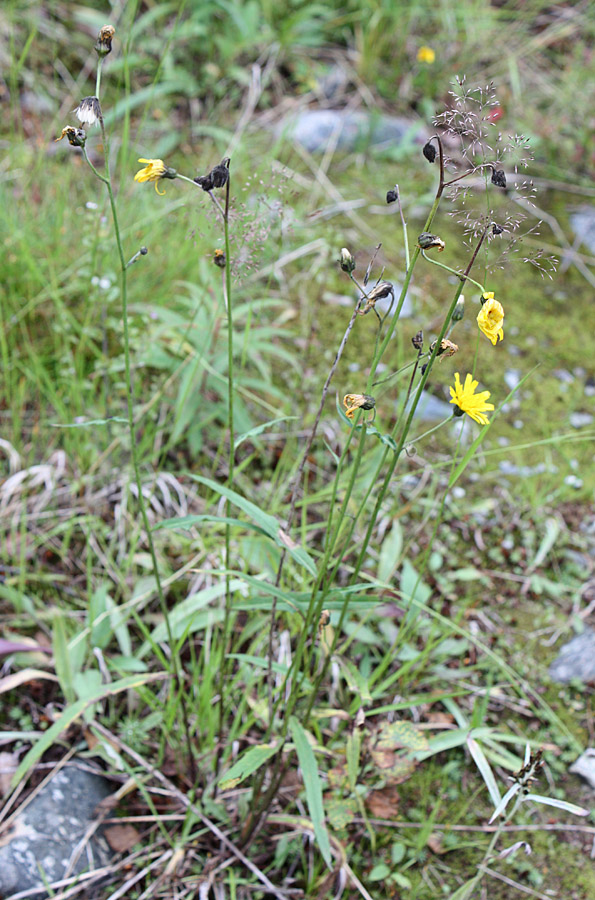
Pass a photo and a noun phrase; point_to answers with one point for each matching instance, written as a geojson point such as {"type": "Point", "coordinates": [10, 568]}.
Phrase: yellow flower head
{"type": "Point", "coordinates": [491, 317]}
{"type": "Point", "coordinates": [153, 171]}
{"type": "Point", "coordinates": [426, 55]}
{"type": "Point", "coordinates": [464, 396]}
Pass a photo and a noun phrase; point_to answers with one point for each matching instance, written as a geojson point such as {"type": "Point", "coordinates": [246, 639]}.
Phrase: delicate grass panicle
{"type": "Point", "coordinates": [252, 699]}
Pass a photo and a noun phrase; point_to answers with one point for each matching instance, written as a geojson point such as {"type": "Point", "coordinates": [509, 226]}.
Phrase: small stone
{"type": "Point", "coordinates": [580, 419]}
{"type": "Point", "coordinates": [315, 128]}
{"type": "Point", "coordinates": [585, 766]}
{"type": "Point", "coordinates": [576, 659]}
{"type": "Point", "coordinates": [44, 835]}
{"type": "Point", "coordinates": [582, 223]}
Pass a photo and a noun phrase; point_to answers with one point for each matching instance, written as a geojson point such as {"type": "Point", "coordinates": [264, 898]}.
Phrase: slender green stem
{"type": "Point", "coordinates": [452, 271]}
{"type": "Point", "coordinates": [98, 78]}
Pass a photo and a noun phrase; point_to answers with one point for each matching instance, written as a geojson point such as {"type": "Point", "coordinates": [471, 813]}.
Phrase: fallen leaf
{"type": "Point", "coordinates": [435, 844]}
{"type": "Point", "coordinates": [121, 837]}
{"type": "Point", "coordinates": [22, 677]}
{"type": "Point", "coordinates": [383, 804]}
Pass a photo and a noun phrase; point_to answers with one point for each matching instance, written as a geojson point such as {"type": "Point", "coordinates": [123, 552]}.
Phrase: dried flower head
{"type": "Point", "coordinates": [499, 178]}
{"type": "Point", "coordinates": [325, 618]}
{"type": "Point", "coordinates": [216, 178]}
{"type": "Point", "coordinates": [154, 170]}
{"type": "Point", "coordinates": [446, 348]}
{"type": "Point", "coordinates": [76, 136]}
{"type": "Point", "coordinates": [88, 112]}
{"type": "Point", "coordinates": [467, 401]}
{"type": "Point", "coordinates": [491, 317]}
{"type": "Point", "coordinates": [353, 402]}
{"type": "Point", "coordinates": [429, 241]}
{"type": "Point", "coordinates": [346, 260]}
{"type": "Point", "coordinates": [418, 340]}
{"type": "Point", "coordinates": [380, 292]}
{"type": "Point", "coordinates": [392, 196]}
{"type": "Point", "coordinates": [219, 258]}
{"type": "Point", "coordinates": [104, 40]}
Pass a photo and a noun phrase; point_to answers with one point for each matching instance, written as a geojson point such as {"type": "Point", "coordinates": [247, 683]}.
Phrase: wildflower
{"type": "Point", "coordinates": [76, 136]}
{"type": "Point", "coordinates": [467, 401]}
{"type": "Point", "coordinates": [491, 317]}
{"type": "Point", "coordinates": [104, 40]}
{"type": "Point", "coordinates": [353, 402]}
{"type": "Point", "coordinates": [154, 171]}
{"type": "Point", "coordinates": [426, 55]}
{"type": "Point", "coordinates": [347, 261]}
{"type": "Point", "coordinates": [88, 112]}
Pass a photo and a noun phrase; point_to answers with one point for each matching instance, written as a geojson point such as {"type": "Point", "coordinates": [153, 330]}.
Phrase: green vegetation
{"type": "Point", "coordinates": [321, 627]}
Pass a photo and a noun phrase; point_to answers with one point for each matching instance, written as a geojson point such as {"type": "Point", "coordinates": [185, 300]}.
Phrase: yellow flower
{"type": "Point", "coordinates": [491, 317]}
{"type": "Point", "coordinates": [464, 396]}
{"type": "Point", "coordinates": [426, 55]}
{"type": "Point", "coordinates": [153, 171]}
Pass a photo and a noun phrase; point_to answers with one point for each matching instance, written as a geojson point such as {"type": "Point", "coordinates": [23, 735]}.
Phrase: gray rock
{"type": "Point", "coordinates": [585, 766]}
{"type": "Point", "coordinates": [582, 222]}
{"type": "Point", "coordinates": [314, 128]}
{"type": "Point", "coordinates": [45, 834]}
{"type": "Point", "coordinates": [576, 659]}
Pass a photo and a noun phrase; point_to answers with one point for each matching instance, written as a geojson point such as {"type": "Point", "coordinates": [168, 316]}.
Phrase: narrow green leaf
{"type": "Point", "coordinates": [559, 804]}
{"type": "Point", "coordinates": [188, 522]}
{"type": "Point", "coordinates": [484, 770]}
{"type": "Point", "coordinates": [72, 712]}
{"type": "Point", "coordinates": [254, 432]}
{"type": "Point", "coordinates": [313, 786]}
{"type": "Point", "coordinates": [62, 658]}
{"type": "Point", "coordinates": [248, 763]}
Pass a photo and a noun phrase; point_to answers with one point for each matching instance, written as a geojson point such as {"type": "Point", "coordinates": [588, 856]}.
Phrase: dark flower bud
{"type": "Point", "coordinates": [392, 195]}
{"type": "Point", "coordinates": [143, 251]}
{"type": "Point", "coordinates": [76, 137]}
{"type": "Point", "coordinates": [429, 151]}
{"type": "Point", "coordinates": [104, 40]}
{"type": "Point", "coordinates": [418, 340]}
{"type": "Point", "coordinates": [205, 182]}
{"type": "Point", "coordinates": [499, 178]}
{"type": "Point", "coordinates": [427, 241]}
{"type": "Point", "coordinates": [220, 174]}
{"type": "Point", "coordinates": [423, 368]}
{"type": "Point", "coordinates": [459, 310]}
{"type": "Point", "coordinates": [457, 411]}
{"type": "Point", "coordinates": [497, 229]}
{"type": "Point", "coordinates": [219, 258]}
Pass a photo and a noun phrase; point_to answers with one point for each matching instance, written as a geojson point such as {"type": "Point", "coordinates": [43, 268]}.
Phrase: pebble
{"type": "Point", "coordinates": [44, 835]}
{"type": "Point", "coordinates": [576, 659]}
{"type": "Point", "coordinates": [315, 128]}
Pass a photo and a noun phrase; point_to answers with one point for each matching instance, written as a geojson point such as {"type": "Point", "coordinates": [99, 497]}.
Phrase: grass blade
{"type": "Point", "coordinates": [313, 786]}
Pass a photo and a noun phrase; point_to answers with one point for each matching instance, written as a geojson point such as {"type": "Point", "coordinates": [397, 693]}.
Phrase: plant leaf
{"type": "Point", "coordinates": [559, 804]}
{"type": "Point", "coordinates": [313, 786]}
{"type": "Point", "coordinates": [484, 770]}
{"type": "Point", "coordinates": [249, 762]}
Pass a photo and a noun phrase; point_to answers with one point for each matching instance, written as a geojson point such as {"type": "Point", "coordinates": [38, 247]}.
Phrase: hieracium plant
{"type": "Point", "coordinates": [315, 589]}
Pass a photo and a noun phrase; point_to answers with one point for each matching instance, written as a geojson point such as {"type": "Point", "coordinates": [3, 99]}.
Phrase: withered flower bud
{"type": "Point", "coordinates": [446, 346]}
{"type": "Point", "coordinates": [219, 258]}
{"type": "Point", "coordinates": [392, 195]}
{"type": "Point", "coordinates": [325, 618]}
{"type": "Point", "coordinates": [205, 182]}
{"type": "Point", "coordinates": [143, 251]}
{"type": "Point", "coordinates": [418, 340]}
{"type": "Point", "coordinates": [429, 241]}
{"type": "Point", "coordinates": [76, 137]}
{"type": "Point", "coordinates": [499, 178]}
{"type": "Point", "coordinates": [353, 402]}
{"type": "Point", "coordinates": [459, 310]}
{"type": "Point", "coordinates": [423, 368]}
{"type": "Point", "coordinates": [104, 40]}
{"type": "Point", "coordinates": [497, 229]}
{"type": "Point", "coordinates": [380, 292]}
{"type": "Point", "coordinates": [346, 261]}
{"type": "Point", "coordinates": [429, 151]}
